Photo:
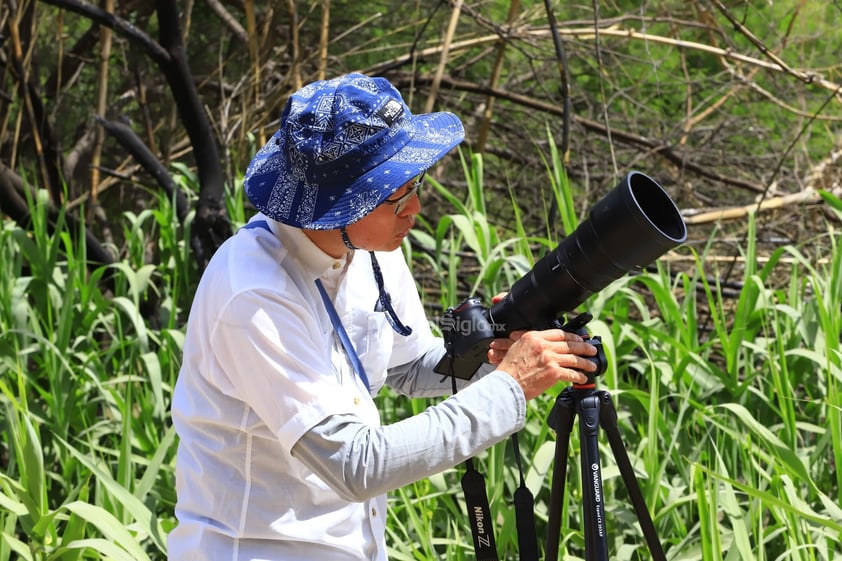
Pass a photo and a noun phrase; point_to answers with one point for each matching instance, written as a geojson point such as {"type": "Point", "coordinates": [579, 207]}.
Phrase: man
{"type": "Point", "coordinates": [302, 316]}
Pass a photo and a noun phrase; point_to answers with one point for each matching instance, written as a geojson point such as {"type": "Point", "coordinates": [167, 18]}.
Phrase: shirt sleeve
{"type": "Point", "coordinates": [419, 379]}
{"type": "Point", "coordinates": [360, 461]}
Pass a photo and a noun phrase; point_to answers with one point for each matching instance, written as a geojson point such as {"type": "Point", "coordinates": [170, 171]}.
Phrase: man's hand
{"type": "Point", "coordinates": [538, 360]}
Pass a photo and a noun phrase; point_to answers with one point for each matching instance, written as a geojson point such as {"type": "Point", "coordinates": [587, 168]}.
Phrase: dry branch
{"type": "Point", "coordinates": [229, 20]}
{"type": "Point", "coordinates": [493, 80]}
{"type": "Point", "coordinates": [652, 146]}
{"type": "Point", "coordinates": [144, 156]}
{"type": "Point", "coordinates": [805, 197]}
{"type": "Point", "coordinates": [530, 34]}
{"type": "Point", "coordinates": [102, 101]}
{"type": "Point", "coordinates": [445, 51]}
{"type": "Point", "coordinates": [806, 77]}
{"type": "Point", "coordinates": [324, 40]}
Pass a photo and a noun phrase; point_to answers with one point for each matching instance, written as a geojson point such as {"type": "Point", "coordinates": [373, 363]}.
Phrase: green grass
{"type": "Point", "coordinates": [729, 408]}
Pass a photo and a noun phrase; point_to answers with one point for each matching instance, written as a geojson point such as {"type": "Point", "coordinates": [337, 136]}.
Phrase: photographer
{"type": "Point", "coordinates": [299, 320]}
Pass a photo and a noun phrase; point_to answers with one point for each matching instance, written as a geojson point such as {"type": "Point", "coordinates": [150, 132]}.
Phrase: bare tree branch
{"type": "Point", "coordinates": [13, 203]}
{"type": "Point", "coordinates": [211, 226]}
{"type": "Point", "coordinates": [653, 146]}
{"type": "Point", "coordinates": [118, 24]}
{"type": "Point", "coordinates": [812, 78]}
{"type": "Point", "coordinates": [805, 197]}
{"type": "Point", "coordinates": [229, 20]}
{"type": "Point", "coordinates": [148, 161]}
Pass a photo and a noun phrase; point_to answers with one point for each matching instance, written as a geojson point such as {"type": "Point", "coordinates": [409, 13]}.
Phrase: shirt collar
{"type": "Point", "coordinates": [316, 263]}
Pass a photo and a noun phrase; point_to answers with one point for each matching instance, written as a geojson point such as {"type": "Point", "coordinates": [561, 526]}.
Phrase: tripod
{"type": "Point", "coordinates": [595, 409]}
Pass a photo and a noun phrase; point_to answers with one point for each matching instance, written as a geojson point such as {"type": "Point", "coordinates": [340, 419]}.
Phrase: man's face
{"type": "Point", "coordinates": [384, 228]}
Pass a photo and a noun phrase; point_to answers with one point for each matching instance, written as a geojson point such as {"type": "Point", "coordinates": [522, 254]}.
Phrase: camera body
{"type": "Point", "coordinates": [467, 331]}
{"type": "Point", "coordinates": [635, 223]}
{"type": "Point", "coordinates": [469, 328]}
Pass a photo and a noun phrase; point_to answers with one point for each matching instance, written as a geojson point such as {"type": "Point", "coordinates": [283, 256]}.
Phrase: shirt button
{"type": "Point", "coordinates": [374, 513]}
{"type": "Point", "coordinates": [336, 265]}
{"type": "Point", "coordinates": [356, 401]}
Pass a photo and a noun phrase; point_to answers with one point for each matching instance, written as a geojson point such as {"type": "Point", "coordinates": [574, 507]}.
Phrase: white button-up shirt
{"type": "Point", "coordinates": [262, 366]}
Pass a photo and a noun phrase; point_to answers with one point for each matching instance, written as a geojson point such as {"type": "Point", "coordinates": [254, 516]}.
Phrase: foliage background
{"type": "Point", "coordinates": [725, 355]}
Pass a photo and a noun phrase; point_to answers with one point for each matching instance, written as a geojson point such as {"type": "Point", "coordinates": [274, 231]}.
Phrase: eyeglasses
{"type": "Point", "coordinates": [401, 202]}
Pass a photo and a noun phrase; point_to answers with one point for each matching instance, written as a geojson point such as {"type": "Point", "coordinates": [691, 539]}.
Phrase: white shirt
{"type": "Point", "coordinates": [262, 367]}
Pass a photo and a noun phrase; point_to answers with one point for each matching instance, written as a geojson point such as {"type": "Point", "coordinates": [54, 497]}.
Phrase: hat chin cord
{"type": "Point", "coordinates": [346, 240]}
{"type": "Point", "coordinates": [384, 301]}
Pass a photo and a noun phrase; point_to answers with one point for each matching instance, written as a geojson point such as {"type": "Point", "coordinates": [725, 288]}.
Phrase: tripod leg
{"type": "Point", "coordinates": [596, 545]}
{"type": "Point", "coordinates": [608, 420]}
{"type": "Point", "coordinates": [561, 420]}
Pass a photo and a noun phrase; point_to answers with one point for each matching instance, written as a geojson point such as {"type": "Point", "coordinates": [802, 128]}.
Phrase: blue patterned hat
{"type": "Point", "coordinates": [344, 146]}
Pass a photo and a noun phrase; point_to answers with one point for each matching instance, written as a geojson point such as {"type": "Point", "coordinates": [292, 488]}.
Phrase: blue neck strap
{"type": "Point", "coordinates": [343, 335]}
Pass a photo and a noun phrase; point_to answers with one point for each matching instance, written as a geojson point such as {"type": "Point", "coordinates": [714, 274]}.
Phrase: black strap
{"type": "Point", "coordinates": [479, 513]}
{"type": "Point", "coordinates": [476, 500]}
{"type": "Point", "coordinates": [384, 301]}
{"type": "Point", "coordinates": [527, 536]}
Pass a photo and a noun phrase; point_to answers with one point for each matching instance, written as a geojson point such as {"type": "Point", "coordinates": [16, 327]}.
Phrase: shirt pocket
{"type": "Point", "coordinates": [373, 344]}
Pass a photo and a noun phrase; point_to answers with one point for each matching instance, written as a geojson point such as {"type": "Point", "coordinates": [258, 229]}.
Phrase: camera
{"type": "Point", "coordinates": [634, 224]}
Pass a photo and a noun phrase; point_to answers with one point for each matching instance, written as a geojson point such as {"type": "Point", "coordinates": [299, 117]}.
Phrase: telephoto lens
{"type": "Point", "coordinates": [634, 224]}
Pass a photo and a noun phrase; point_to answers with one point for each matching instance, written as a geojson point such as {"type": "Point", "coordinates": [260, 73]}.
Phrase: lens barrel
{"type": "Point", "coordinates": [633, 225]}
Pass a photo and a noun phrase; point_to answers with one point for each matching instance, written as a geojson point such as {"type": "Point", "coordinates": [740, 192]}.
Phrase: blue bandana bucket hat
{"type": "Point", "coordinates": [344, 145]}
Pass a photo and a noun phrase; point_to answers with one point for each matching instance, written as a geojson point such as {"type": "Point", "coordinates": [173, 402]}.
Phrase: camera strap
{"type": "Point", "coordinates": [479, 512]}
{"type": "Point", "coordinates": [527, 536]}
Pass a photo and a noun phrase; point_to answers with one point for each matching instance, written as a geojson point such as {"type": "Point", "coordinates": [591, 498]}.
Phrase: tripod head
{"type": "Point", "coordinates": [577, 326]}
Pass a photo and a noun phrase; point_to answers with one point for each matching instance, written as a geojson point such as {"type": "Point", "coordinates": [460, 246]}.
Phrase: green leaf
{"type": "Point", "coordinates": [134, 506]}
{"type": "Point", "coordinates": [112, 529]}
{"type": "Point", "coordinates": [788, 456]}
{"type": "Point", "coordinates": [11, 541]}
